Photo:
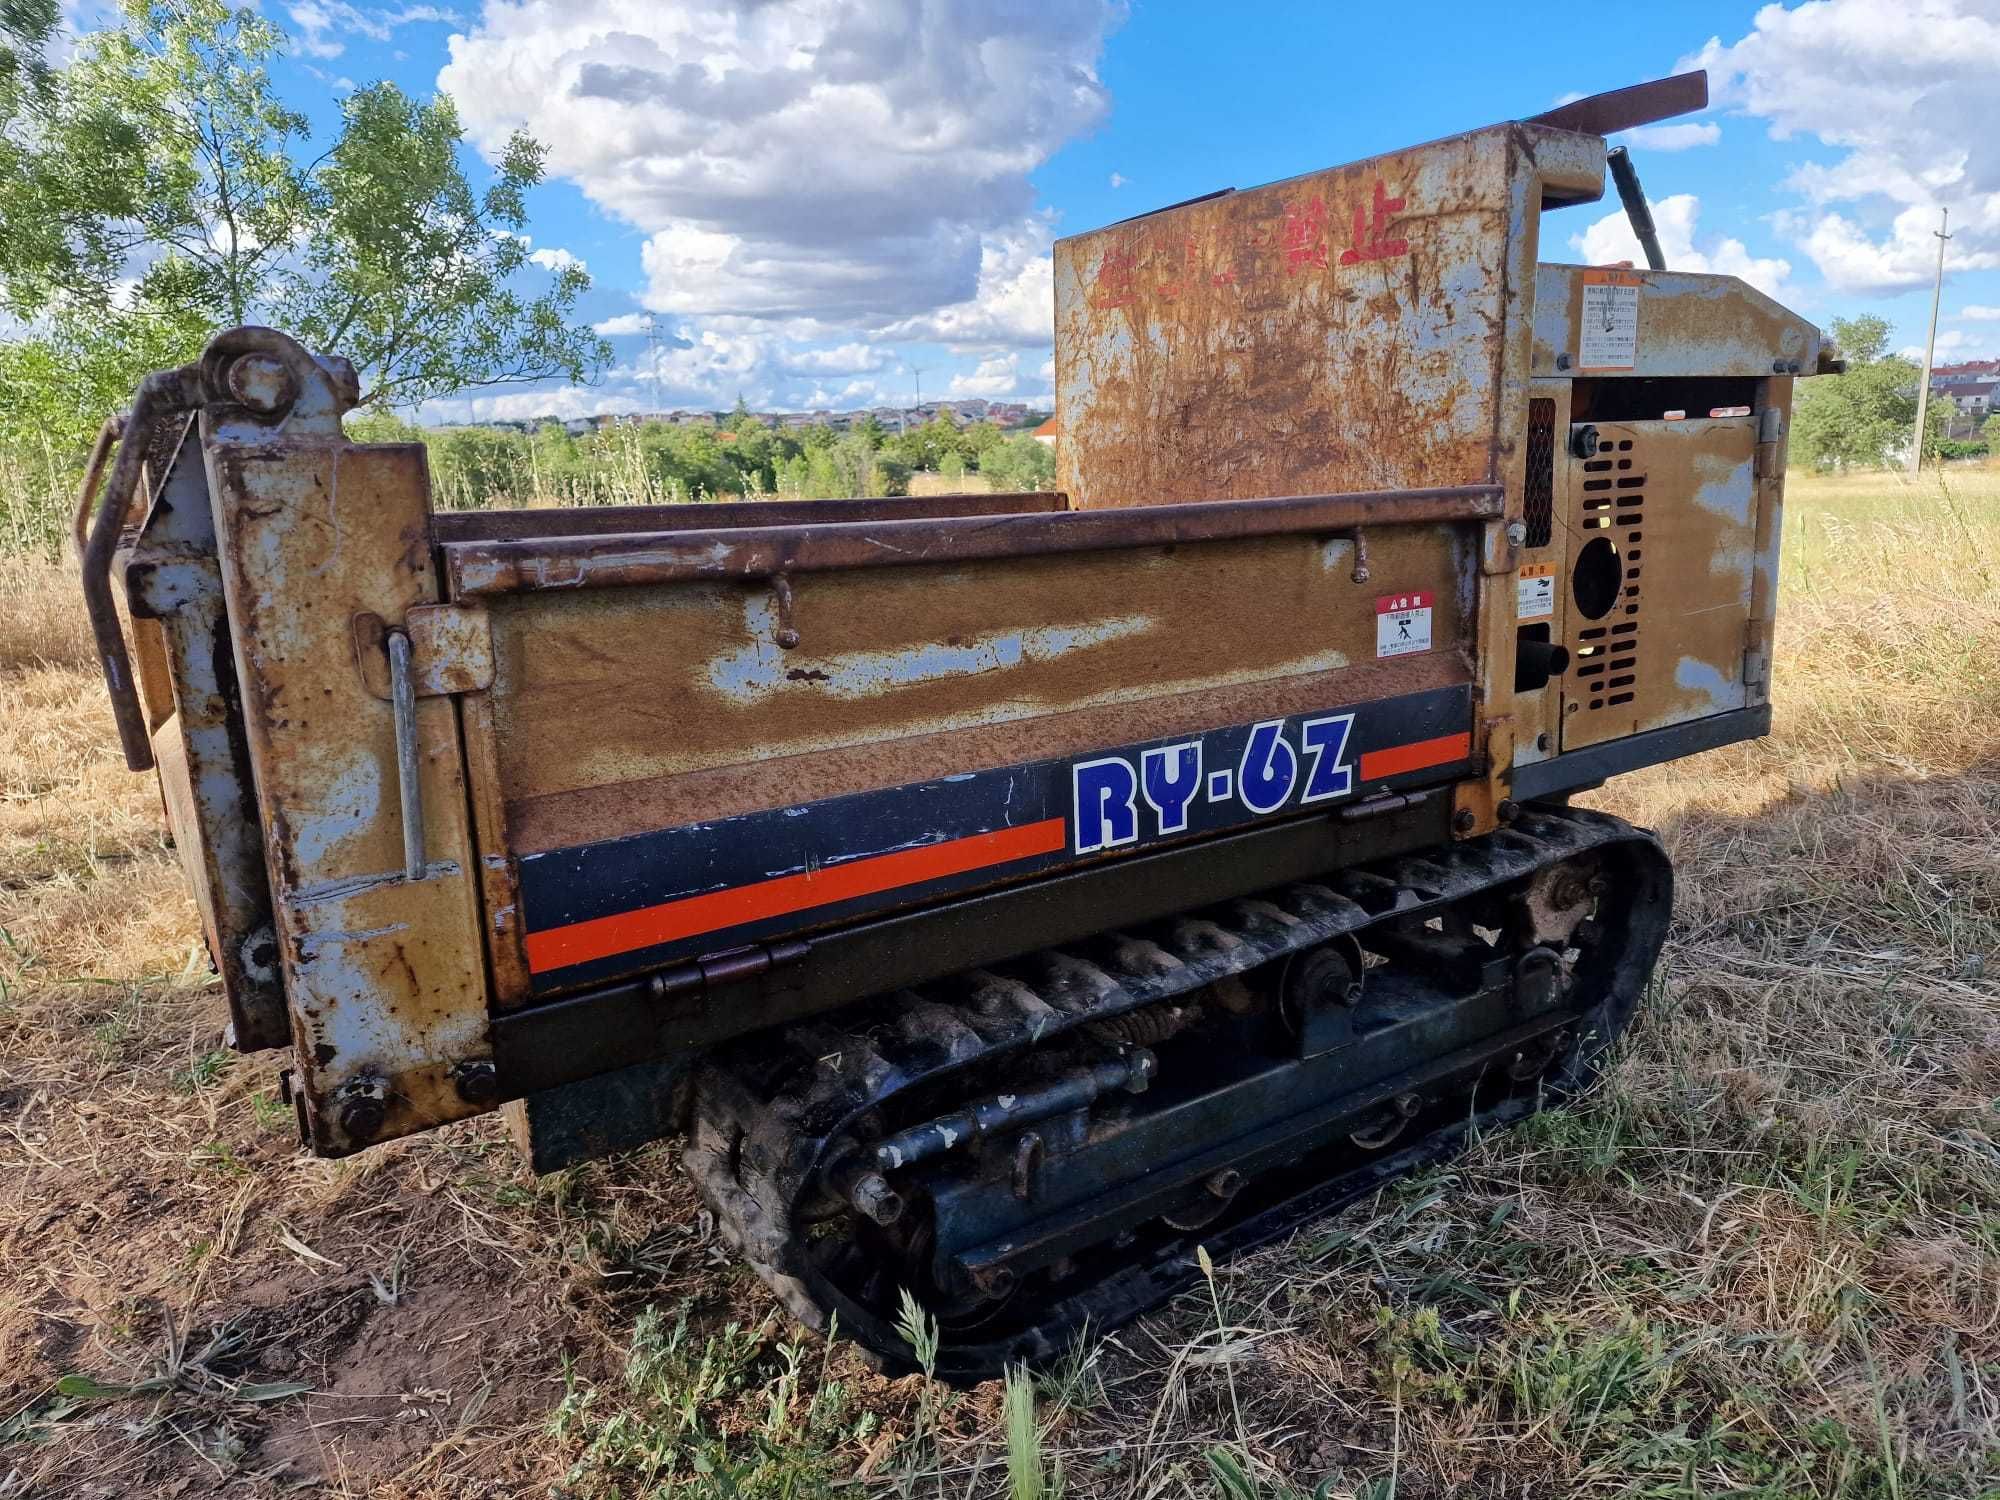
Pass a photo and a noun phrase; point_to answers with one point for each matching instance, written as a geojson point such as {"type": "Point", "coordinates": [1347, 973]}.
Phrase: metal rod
{"type": "Point", "coordinates": [566, 563]}
{"type": "Point", "coordinates": [403, 696]}
{"type": "Point", "coordinates": [1133, 1071]}
{"type": "Point", "coordinates": [1619, 160]}
{"type": "Point", "coordinates": [160, 395]}
{"type": "Point", "coordinates": [93, 476]}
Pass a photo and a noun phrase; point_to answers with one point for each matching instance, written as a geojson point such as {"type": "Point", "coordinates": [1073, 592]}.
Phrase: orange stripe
{"type": "Point", "coordinates": [1397, 759]}
{"type": "Point", "coordinates": [691, 916]}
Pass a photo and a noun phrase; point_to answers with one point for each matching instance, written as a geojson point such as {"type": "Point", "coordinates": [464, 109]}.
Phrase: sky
{"type": "Point", "coordinates": [841, 203]}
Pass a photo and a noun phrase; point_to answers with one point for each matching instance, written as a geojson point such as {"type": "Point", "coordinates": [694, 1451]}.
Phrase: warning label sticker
{"type": "Point", "coordinates": [1402, 624]}
{"type": "Point", "coordinates": [1608, 338]}
{"type": "Point", "coordinates": [1535, 591]}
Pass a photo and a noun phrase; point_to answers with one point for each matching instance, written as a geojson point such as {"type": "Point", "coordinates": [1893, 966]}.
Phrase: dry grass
{"type": "Point", "coordinates": [1763, 1260]}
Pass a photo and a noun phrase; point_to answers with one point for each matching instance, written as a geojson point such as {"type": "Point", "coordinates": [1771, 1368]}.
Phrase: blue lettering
{"type": "Point", "coordinates": [1268, 768]}
{"type": "Point", "coordinates": [1170, 777]}
{"type": "Point", "coordinates": [1103, 813]}
{"type": "Point", "coordinates": [1326, 741]}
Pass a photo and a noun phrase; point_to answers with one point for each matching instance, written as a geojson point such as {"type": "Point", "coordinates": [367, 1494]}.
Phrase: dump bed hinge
{"type": "Point", "coordinates": [451, 650]}
{"type": "Point", "coordinates": [723, 968]}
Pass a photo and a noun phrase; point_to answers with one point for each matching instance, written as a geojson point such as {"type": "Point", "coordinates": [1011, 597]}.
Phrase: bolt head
{"type": "Point", "coordinates": [262, 384]}
{"type": "Point", "coordinates": [478, 1081]}
{"type": "Point", "coordinates": [361, 1119]}
{"type": "Point", "coordinates": [1517, 532]}
{"type": "Point", "coordinates": [1562, 361]}
{"type": "Point", "coordinates": [1464, 820]}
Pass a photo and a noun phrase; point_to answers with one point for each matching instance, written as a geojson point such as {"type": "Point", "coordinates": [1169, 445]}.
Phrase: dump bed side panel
{"type": "Point", "coordinates": [682, 766]}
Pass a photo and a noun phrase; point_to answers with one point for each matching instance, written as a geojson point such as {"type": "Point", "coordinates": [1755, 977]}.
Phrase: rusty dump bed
{"type": "Point", "coordinates": [1372, 527]}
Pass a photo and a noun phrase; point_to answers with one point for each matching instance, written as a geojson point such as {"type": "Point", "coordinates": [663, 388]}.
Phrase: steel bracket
{"type": "Point", "coordinates": [451, 650]}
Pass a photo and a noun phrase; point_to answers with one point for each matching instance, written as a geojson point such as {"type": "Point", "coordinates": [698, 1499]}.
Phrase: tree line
{"type": "Point", "coordinates": [661, 462]}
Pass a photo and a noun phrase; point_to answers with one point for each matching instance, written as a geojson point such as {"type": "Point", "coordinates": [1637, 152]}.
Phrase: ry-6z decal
{"type": "Point", "coordinates": [608, 908]}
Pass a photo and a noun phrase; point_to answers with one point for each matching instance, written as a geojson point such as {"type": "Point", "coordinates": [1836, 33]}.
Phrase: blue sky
{"type": "Point", "coordinates": [813, 200]}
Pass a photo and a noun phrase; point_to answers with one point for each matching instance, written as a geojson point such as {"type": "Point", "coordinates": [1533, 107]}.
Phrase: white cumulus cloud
{"type": "Point", "coordinates": [1677, 137]}
{"type": "Point", "coordinates": [1974, 312]}
{"type": "Point", "coordinates": [555, 259]}
{"type": "Point", "coordinates": [1610, 239]}
{"type": "Point", "coordinates": [1950, 341]}
{"type": "Point", "coordinates": [852, 162]}
{"type": "Point", "coordinates": [1901, 89]}
{"type": "Point", "coordinates": [621, 325]}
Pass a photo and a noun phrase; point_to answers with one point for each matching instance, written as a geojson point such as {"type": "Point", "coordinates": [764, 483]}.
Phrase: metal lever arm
{"type": "Point", "coordinates": [409, 785]}
{"type": "Point", "coordinates": [1619, 160]}
{"type": "Point", "coordinates": [160, 396]}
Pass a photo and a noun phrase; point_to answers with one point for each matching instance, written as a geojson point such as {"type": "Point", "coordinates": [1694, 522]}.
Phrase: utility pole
{"type": "Point", "coordinates": [1930, 346]}
{"type": "Point", "coordinates": [653, 357]}
{"type": "Point", "coordinates": [918, 372]}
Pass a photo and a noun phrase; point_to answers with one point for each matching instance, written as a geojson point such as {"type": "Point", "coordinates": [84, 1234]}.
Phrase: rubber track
{"type": "Point", "coordinates": [768, 1108]}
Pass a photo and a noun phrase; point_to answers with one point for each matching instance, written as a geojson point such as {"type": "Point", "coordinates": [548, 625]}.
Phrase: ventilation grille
{"type": "Point", "coordinates": [1540, 492]}
{"type": "Point", "coordinates": [1614, 503]}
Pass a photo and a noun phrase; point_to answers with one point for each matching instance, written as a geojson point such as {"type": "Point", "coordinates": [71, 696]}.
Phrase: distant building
{"type": "Point", "coordinates": [1974, 389]}
{"type": "Point", "coordinates": [1046, 433]}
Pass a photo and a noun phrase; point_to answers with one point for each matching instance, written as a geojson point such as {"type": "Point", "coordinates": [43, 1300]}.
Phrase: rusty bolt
{"type": "Point", "coordinates": [1225, 1184]}
{"type": "Point", "coordinates": [1584, 441]}
{"type": "Point", "coordinates": [1777, 367]}
{"type": "Point", "coordinates": [261, 383]}
{"type": "Point", "coordinates": [478, 1081]}
{"type": "Point", "coordinates": [788, 640]}
{"type": "Point", "coordinates": [364, 1105]}
{"type": "Point", "coordinates": [1542, 741]}
{"type": "Point", "coordinates": [1517, 532]}
{"type": "Point", "coordinates": [1464, 820]}
{"type": "Point", "coordinates": [871, 1194]}
{"type": "Point", "coordinates": [1509, 811]}
{"type": "Point", "coordinates": [1562, 361]}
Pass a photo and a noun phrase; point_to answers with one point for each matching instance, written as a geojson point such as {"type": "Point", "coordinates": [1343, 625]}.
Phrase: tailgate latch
{"type": "Point", "coordinates": [451, 650]}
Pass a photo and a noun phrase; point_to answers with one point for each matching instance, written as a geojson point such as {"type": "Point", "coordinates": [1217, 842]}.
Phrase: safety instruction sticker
{"type": "Point", "coordinates": [1535, 591]}
{"type": "Point", "coordinates": [1402, 624]}
{"type": "Point", "coordinates": [1609, 336]}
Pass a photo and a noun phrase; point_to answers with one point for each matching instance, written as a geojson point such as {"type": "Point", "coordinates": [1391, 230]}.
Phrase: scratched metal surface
{"type": "Point", "coordinates": [1690, 324]}
{"type": "Point", "coordinates": [1678, 500]}
{"type": "Point", "coordinates": [174, 591]}
{"type": "Point", "coordinates": [1355, 328]}
{"type": "Point", "coordinates": [899, 674]}
{"type": "Point", "coordinates": [384, 975]}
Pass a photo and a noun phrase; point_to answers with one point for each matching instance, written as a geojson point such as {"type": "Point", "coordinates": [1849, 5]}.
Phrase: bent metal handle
{"type": "Point", "coordinates": [160, 395]}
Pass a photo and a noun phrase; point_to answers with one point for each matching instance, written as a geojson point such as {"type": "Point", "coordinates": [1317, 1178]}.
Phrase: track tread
{"type": "Point", "coordinates": [763, 1131]}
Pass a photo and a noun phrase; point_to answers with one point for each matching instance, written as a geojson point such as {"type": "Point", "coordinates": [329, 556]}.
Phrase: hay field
{"type": "Point", "coordinates": [1763, 1259]}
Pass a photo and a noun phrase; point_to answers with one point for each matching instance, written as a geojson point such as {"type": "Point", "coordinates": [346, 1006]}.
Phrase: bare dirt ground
{"type": "Point", "coordinates": [1763, 1259]}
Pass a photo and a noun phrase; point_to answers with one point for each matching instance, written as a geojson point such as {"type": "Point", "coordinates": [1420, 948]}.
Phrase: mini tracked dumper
{"type": "Point", "coordinates": [1005, 894]}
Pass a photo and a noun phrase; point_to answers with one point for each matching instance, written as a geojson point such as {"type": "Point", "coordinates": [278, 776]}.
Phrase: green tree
{"type": "Point", "coordinates": [155, 189]}
{"type": "Point", "coordinates": [408, 270]}
{"type": "Point", "coordinates": [1019, 465]}
{"type": "Point", "coordinates": [1990, 429]}
{"type": "Point", "coordinates": [1863, 418]}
